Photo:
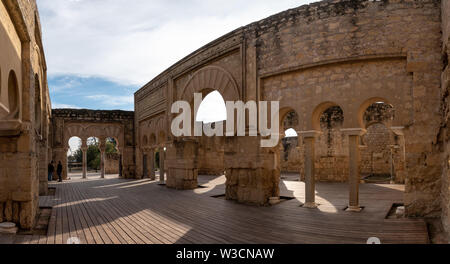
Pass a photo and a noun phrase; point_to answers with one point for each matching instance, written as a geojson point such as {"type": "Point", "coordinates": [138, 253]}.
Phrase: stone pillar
{"type": "Point", "coordinates": [121, 150]}
{"type": "Point", "coordinates": [252, 175]}
{"type": "Point", "coordinates": [399, 164]}
{"type": "Point", "coordinates": [151, 164]}
{"type": "Point", "coordinates": [102, 163]}
{"type": "Point", "coordinates": [102, 148]}
{"type": "Point", "coordinates": [43, 169]}
{"type": "Point", "coordinates": [182, 164]}
{"type": "Point", "coordinates": [84, 150]}
{"type": "Point", "coordinates": [309, 139]}
{"type": "Point", "coordinates": [354, 135]}
{"type": "Point", "coordinates": [144, 164]}
{"type": "Point", "coordinates": [162, 171]}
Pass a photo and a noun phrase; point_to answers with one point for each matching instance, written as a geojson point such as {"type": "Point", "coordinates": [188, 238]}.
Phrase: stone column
{"type": "Point", "coordinates": [399, 167]}
{"type": "Point", "coordinates": [162, 171]}
{"type": "Point", "coordinates": [144, 164]}
{"type": "Point", "coordinates": [43, 169]}
{"type": "Point", "coordinates": [252, 175]}
{"type": "Point", "coordinates": [182, 164]}
{"type": "Point", "coordinates": [354, 135]}
{"type": "Point", "coordinates": [102, 162]}
{"type": "Point", "coordinates": [121, 162]}
{"type": "Point", "coordinates": [309, 139]}
{"type": "Point", "coordinates": [151, 164]}
{"type": "Point", "coordinates": [84, 150]}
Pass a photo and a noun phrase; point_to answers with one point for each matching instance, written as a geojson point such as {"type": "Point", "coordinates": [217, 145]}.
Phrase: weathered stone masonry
{"type": "Point", "coordinates": [68, 123]}
{"type": "Point", "coordinates": [25, 112]}
{"type": "Point", "coordinates": [335, 54]}
{"type": "Point", "coordinates": [349, 54]}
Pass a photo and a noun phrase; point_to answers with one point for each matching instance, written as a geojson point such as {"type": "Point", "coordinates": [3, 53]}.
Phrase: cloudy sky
{"type": "Point", "coordinates": [99, 52]}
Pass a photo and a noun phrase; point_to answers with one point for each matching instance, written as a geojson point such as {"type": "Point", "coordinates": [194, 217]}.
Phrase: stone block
{"type": "Point", "coordinates": [15, 212]}
{"type": "Point", "coordinates": [26, 215]}
{"type": "Point", "coordinates": [8, 211]}
{"type": "Point", "coordinates": [21, 196]}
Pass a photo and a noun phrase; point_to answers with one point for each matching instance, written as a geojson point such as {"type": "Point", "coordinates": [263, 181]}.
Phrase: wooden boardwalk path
{"type": "Point", "coordinates": [117, 211]}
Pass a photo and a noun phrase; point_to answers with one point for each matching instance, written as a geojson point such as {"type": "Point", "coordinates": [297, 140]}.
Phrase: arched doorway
{"type": "Point", "coordinates": [112, 159]}
{"type": "Point", "coordinates": [211, 115]}
{"type": "Point", "coordinates": [331, 147]}
{"type": "Point", "coordinates": [381, 156]}
{"type": "Point", "coordinates": [291, 160]}
{"type": "Point", "coordinates": [74, 158]}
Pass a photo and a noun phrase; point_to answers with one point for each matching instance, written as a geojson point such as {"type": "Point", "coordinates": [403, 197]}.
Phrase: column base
{"type": "Point", "coordinates": [310, 205]}
{"type": "Point", "coordinates": [356, 209]}
{"type": "Point", "coordinates": [274, 200]}
{"type": "Point", "coordinates": [8, 228]}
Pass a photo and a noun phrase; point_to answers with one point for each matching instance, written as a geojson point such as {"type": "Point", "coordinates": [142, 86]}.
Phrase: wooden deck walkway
{"type": "Point", "coordinates": [117, 211]}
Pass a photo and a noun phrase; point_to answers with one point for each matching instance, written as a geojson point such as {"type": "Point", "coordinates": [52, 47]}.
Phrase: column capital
{"type": "Point", "coordinates": [310, 133]}
{"type": "Point", "coordinates": [353, 131]}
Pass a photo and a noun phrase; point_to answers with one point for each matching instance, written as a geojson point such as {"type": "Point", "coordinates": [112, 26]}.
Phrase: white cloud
{"type": "Point", "coordinates": [112, 100]}
{"type": "Point", "coordinates": [56, 106]}
{"type": "Point", "coordinates": [132, 41]}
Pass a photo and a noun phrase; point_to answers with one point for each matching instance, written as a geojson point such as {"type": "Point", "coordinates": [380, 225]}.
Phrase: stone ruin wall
{"type": "Point", "coordinates": [82, 123]}
{"type": "Point", "coordinates": [112, 163]}
{"type": "Point", "coordinates": [24, 148]}
{"type": "Point", "coordinates": [445, 131]}
{"type": "Point", "coordinates": [368, 30]}
{"type": "Point", "coordinates": [331, 146]}
{"type": "Point", "coordinates": [341, 51]}
{"type": "Point", "coordinates": [211, 154]}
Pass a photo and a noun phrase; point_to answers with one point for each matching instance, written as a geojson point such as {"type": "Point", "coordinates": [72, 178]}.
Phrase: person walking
{"type": "Point", "coordinates": [51, 169]}
{"type": "Point", "coordinates": [59, 171]}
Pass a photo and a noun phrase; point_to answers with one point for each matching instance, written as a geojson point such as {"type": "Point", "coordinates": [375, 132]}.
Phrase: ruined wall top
{"type": "Point", "coordinates": [305, 14]}
{"type": "Point", "coordinates": [93, 115]}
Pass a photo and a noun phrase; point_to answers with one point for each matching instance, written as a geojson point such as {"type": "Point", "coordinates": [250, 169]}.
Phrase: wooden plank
{"type": "Point", "coordinates": [126, 211]}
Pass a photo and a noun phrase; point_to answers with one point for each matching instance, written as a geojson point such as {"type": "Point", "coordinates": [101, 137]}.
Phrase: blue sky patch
{"type": "Point", "coordinates": [69, 91]}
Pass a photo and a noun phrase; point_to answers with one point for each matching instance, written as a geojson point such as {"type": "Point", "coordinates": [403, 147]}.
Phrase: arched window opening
{"type": "Point", "coordinates": [380, 159]}
{"type": "Point", "coordinates": [331, 150]}
{"type": "Point", "coordinates": [331, 122]}
{"type": "Point", "coordinates": [212, 109]}
{"type": "Point", "coordinates": [379, 112]}
{"type": "Point", "coordinates": [13, 94]}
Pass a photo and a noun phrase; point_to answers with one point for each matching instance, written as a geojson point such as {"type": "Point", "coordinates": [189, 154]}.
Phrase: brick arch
{"type": "Point", "coordinates": [72, 131]}
{"type": "Point", "coordinates": [156, 125]}
{"type": "Point", "coordinates": [211, 77]}
{"type": "Point", "coordinates": [100, 131]}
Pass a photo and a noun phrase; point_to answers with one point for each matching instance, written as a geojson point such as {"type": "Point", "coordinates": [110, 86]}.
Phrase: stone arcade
{"type": "Point", "coordinates": [335, 67]}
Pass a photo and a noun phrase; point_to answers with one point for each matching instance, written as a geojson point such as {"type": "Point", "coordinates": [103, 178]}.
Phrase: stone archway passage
{"type": "Point", "coordinates": [84, 124]}
{"type": "Point", "coordinates": [274, 60]}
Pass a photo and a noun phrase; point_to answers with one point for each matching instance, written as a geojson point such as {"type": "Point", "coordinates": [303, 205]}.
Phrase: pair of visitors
{"type": "Point", "coordinates": [51, 170]}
